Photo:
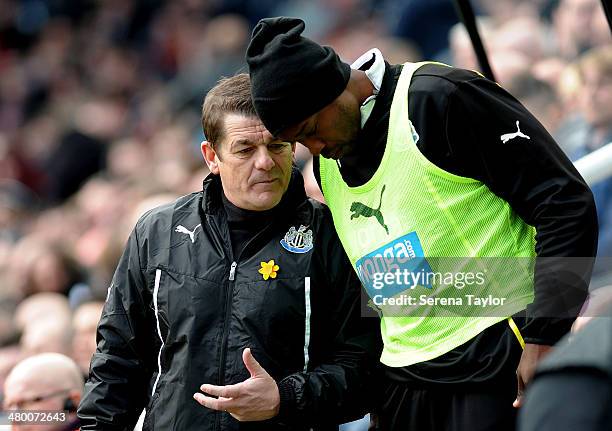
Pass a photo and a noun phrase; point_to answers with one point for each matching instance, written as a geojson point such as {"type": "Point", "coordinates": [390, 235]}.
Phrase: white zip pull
{"type": "Point", "coordinates": [233, 270]}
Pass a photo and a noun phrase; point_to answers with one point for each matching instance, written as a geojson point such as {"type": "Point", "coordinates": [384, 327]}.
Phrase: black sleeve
{"type": "Point", "coordinates": [540, 184]}
{"type": "Point", "coordinates": [117, 389]}
{"type": "Point", "coordinates": [338, 389]}
{"type": "Point", "coordinates": [577, 399]}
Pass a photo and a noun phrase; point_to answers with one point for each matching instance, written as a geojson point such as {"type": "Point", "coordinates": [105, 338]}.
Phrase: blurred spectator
{"type": "Point", "coordinates": [596, 306]}
{"type": "Point", "coordinates": [577, 27]}
{"type": "Point", "coordinates": [18, 205]}
{"type": "Point", "coordinates": [77, 157]}
{"type": "Point", "coordinates": [41, 266]}
{"type": "Point", "coordinates": [44, 320]}
{"type": "Point", "coordinates": [506, 61]}
{"type": "Point", "coordinates": [504, 10]}
{"type": "Point", "coordinates": [425, 23]}
{"type": "Point", "coordinates": [19, 264]}
{"type": "Point", "coordinates": [507, 65]}
{"type": "Point", "coordinates": [549, 70]}
{"type": "Point", "coordinates": [524, 35]}
{"type": "Point", "coordinates": [127, 158]}
{"type": "Point", "coordinates": [47, 336]}
{"type": "Point", "coordinates": [595, 69]}
{"type": "Point", "coordinates": [42, 307]}
{"type": "Point", "coordinates": [55, 271]}
{"type": "Point", "coordinates": [49, 381]}
{"type": "Point", "coordinates": [8, 329]}
{"type": "Point", "coordinates": [572, 129]}
{"type": "Point", "coordinates": [84, 324]}
{"type": "Point", "coordinates": [461, 51]}
{"type": "Point", "coordinates": [600, 29]}
{"type": "Point", "coordinates": [9, 357]}
{"type": "Point", "coordinates": [539, 98]}
{"type": "Point", "coordinates": [220, 52]}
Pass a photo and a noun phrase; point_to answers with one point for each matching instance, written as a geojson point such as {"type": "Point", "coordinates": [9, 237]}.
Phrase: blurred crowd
{"type": "Point", "coordinates": [100, 120]}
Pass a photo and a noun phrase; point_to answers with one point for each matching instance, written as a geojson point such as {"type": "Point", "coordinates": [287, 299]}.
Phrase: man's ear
{"type": "Point", "coordinates": [210, 157]}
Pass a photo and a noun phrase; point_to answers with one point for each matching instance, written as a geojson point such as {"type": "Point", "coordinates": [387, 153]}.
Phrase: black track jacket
{"type": "Point", "coordinates": [181, 309]}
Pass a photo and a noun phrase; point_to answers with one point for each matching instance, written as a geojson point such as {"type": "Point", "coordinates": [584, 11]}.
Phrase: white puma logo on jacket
{"type": "Point", "coordinates": [191, 233]}
{"type": "Point", "coordinates": [518, 134]}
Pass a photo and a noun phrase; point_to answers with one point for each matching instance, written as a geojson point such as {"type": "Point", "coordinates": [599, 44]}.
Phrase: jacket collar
{"type": "Point", "coordinates": [384, 97]}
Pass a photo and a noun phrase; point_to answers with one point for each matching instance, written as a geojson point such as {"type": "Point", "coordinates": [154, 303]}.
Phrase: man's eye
{"type": "Point", "coordinates": [245, 151]}
{"type": "Point", "coordinates": [312, 131]}
{"type": "Point", "coordinates": [278, 147]}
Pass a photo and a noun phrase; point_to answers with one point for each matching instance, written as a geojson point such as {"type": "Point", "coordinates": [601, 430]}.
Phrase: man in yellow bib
{"type": "Point", "coordinates": [428, 169]}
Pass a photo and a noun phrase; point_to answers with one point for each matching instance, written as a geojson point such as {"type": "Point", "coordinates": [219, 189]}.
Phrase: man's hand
{"type": "Point", "coordinates": [255, 399]}
{"type": "Point", "coordinates": [532, 354]}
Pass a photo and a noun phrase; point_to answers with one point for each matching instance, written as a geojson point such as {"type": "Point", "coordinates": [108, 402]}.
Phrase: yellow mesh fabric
{"type": "Point", "coordinates": [411, 209]}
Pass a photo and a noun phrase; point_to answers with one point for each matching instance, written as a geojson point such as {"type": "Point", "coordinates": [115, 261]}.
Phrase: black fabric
{"type": "Point", "coordinates": [572, 388]}
{"type": "Point", "coordinates": [590, 348]}
{"type": "Point", "coordinates": [244, 224]}
{"type": "Point", "coordinates": [177, 276]}
{"type": "Point", "coordinates": [292, 77]}
{"type": "Point", "coordinates": [488, 360]}
{"type": "Point", "coordinates": [444, 409]}
{"type": "Point", "coordinates": [576, 400]}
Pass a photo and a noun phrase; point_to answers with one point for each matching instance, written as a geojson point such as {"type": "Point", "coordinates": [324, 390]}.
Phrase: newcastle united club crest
{"type": "Point", "coordinates": [298, 241]}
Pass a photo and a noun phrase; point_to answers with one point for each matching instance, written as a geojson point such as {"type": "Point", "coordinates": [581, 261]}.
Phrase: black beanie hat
{"type": "Point", "coordinates": [292, 77]}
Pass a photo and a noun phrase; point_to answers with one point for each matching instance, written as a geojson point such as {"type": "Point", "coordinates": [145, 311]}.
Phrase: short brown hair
{"type": "Point", "coordinates": [230, 95]}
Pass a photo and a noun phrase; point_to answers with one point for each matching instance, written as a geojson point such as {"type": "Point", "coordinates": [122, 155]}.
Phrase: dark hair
{"type": "Point", "coordinates": [230, 95]}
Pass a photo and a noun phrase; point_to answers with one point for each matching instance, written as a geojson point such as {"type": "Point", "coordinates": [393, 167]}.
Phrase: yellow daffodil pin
{"type": "Point", "coordinates": [268, 269]}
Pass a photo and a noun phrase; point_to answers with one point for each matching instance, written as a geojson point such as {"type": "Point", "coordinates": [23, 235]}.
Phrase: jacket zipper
{"type": "Point", "coordinates": [221, 375]}
{"type": "Point", "coordinates": [228, 301]}
{"type": "Point", "coordinates": [232, 271]}
{"type": "Point", "coordinates": [228, 309]}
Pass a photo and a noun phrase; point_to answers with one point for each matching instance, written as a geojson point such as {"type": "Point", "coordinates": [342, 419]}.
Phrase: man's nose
{"type": "Point", "coordinates": [314, 145]}
{"type": "Point", "coordinates": [263, 159]}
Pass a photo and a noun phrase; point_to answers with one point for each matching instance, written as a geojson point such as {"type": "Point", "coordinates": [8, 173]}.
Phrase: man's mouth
{"type": "Point", "coordinates": [266, 181]}
{"type": "Point", "coordinates": [332, 153]}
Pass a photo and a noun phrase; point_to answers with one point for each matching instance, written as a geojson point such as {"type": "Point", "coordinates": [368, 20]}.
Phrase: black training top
{"type": "Point", "coordinates": [460, 117]}
{"type": "Point", "coordinates": [243, 224]}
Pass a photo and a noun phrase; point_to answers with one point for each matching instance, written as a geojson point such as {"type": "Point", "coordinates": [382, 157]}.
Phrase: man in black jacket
{"type": "Point", "coordinates": [241, 291]}
{"type": "Point", "coordinates": [572, 387]}
{"type": "Point", "coordinates": [469, 134]}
